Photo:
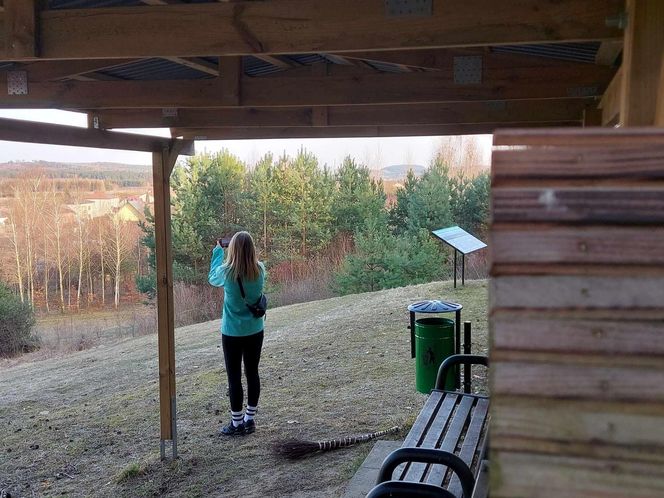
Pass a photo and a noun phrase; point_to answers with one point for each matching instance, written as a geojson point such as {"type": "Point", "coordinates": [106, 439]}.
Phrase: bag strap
{"type": "Point", "coordinates": [239, 282]}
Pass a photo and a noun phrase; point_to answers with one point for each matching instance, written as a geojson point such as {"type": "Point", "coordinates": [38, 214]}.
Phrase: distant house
{"type": "Point", "coordinates": [147, 198]}
{"type": "Point", "coordinates": [85, 209]}
{"type": "Point", "coordinates": [131, 211]}
{"type": "Point", "coordinates": [96, 205]}
{"type": "Point", "coordinates": [102, 203]}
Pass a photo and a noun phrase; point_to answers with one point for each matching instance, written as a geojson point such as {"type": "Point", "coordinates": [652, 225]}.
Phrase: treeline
{"type": "Point", "coordinates": [56, 257]}
{"type": "Point", "coordinates": [334, 231]}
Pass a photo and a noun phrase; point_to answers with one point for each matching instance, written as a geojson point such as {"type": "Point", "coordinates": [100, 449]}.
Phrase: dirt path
{"type": "Point", "coordinates": [87, 424]}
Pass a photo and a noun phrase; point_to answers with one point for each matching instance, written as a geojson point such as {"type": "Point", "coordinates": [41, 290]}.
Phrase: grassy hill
{"type": "Point", "coordinates": [87, 424]}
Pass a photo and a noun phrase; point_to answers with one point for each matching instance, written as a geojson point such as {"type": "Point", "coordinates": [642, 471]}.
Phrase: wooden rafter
{"type": "Point", "coordinates": [60, 70]}
{"type": "Point", "coordinates": [574, 80]}
{"type": "Point", "coordinates": [276, 61]}
{"type": "Point", "coordinates": [196, 63]}
{"type": "Point", "coordinates": [608, 52]}
{"type": "Point", "coordinates": [31, 132]}
{"type": "Point", "coordinates": [238, 133]}
{"type": "Point", "coordinates": [548, 110]}
{"type": "Point", "coordinates": [314, 26]}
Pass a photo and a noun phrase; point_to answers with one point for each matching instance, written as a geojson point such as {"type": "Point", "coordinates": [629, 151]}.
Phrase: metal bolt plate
{"type": "Point", "coordinates": [408, 8]}
{"type": "Point", "coordinates": [468, 70]}
{"type": "Point", "coordinates": [17, 83]}
{"type": "Point", "coordinates": [169, 112]}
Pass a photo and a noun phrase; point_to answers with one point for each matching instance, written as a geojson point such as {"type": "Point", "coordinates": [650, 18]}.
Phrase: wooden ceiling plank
{"type": "Point", "coordinates": [372, 88]}
{"type": "Point", "coordinates": [369, 115]}
{"type": "Point", "coordinates": [32, 132]}
{"type": "Point", "coordinates": [305, 26]}
{"type": "Point", "coordinates": [238, 133]}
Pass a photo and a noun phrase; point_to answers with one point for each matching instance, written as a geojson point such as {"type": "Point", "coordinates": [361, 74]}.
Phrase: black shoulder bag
{"type": "Point", "coordinates": [257, 309]}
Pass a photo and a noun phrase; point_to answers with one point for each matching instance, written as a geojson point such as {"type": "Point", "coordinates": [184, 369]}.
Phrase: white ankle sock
{"type": "Point", "coordinates": [236, 417]}
{"type": "Point", "coordinates": [250, 413]}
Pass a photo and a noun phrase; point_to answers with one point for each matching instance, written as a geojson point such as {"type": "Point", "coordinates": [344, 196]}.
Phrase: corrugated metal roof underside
{"type": "Point", "coordinates": [257, 67]}
{"type": "Point", "coordinates": [254, 66]}
{"type": "Point", "coordinates": [155, 69]}
{"type": "Point", "coordinates": [574, 52]}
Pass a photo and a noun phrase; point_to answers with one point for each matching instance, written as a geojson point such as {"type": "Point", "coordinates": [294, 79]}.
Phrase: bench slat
{"type": "Point", "coordinates": [470, 442]}
{"type": "Point", "coordinates": [433, 436]}
{"type": "Point", "coordinates": [437, 472]}
{"type": "Point", "coordinates": [420, 426]}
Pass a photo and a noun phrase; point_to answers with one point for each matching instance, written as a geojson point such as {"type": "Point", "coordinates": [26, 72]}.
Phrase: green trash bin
{"type": "Point", "coordinates": [434, 341]}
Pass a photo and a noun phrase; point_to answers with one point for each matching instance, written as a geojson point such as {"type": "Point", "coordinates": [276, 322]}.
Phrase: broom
{"type": "Point", "coordinates": [296, 448]}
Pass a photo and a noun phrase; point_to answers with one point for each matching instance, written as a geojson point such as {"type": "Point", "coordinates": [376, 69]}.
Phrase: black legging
{"type": "Point", "coordinates": [237, 348]}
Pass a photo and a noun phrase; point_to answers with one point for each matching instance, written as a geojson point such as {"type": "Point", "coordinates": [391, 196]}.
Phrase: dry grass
{"type": "Point", "coordinates": [87, 424]}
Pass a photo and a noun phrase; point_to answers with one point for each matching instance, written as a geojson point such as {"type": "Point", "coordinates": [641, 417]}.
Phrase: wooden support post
{"type": "Point", "coordinates": [230, 72]}
{"type": "Point", "coordinates": [659, 115]}
{"type": "Point", "coordinates": [20, 18]}
{"type": "Point", "coordinates": [611, 100]}
{"type": "Point", "coordinates": [161, 167]}
{"type": "Point", "coordinates": [642, 56]}
{"type": "Point", "coordinates": [592, 117]}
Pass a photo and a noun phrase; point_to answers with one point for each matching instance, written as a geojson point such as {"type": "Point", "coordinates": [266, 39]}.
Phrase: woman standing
{"type": "Point", "coordinates": [241, 331]}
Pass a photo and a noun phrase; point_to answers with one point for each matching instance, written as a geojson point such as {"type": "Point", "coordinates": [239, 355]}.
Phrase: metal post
{"type": "Point", "coordinates": [466, 350]}
{"type": "Point", "coordinates": [455, 267]}
{"type": "Point", "coordinates": [457, 347]}
{"type": "Point", "coordinates": [463, 269]}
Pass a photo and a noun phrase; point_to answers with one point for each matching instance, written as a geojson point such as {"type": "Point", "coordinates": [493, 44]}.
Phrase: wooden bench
{"type": "Point", "coordinates": [443, 452]}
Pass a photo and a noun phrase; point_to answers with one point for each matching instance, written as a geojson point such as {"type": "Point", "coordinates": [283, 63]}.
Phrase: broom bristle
{"type": "Point", "coordinates": [295, 448]}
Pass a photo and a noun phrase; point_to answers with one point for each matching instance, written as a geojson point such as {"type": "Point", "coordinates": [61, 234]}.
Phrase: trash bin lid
{"type": "Point", "coordinates": [434, 306]}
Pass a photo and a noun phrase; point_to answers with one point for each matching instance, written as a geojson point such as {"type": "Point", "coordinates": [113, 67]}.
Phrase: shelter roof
{"type": "Point", "coordinates": [272, 69]}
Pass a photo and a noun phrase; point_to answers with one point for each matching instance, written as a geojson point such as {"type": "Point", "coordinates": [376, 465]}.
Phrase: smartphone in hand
{"type": "Point", "coordinates": [224, 241]}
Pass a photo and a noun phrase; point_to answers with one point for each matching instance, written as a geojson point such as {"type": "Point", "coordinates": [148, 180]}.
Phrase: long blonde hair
{"type": "Point", "coordinates": [241, 257]}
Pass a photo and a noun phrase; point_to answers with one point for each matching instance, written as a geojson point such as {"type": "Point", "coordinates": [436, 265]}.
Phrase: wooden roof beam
{"type": "Point", "coordinates": [305, 26]}
{"type": "Point", "coordinates": [16, 130]}
{"type": "Point", "coordinates": [237, 133]}
{"type": "Point", "coordinates": [369, 115]}
{"type": "Point", "coordinates": [574, 80]}
{"type": "Point", "coordinates": [21, 29]}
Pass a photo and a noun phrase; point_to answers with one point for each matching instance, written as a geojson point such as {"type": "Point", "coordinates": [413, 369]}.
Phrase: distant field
{"type": "Point", "coordinates": [87, 424]}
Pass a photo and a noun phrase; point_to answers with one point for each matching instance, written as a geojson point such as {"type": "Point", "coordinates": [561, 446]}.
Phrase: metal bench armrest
{"type": "Point", "coordinates": [428, 455]}
{"type": "Point", "coordinates": [456, 359]}
{"type": "Point", "coordinates": [401, 489]}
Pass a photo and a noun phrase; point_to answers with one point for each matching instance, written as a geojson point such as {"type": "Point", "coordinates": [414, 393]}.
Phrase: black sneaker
{"type": "Point", "coordinates": [249, 426]}
{"type": "Point", "coordinates": [231, 430]}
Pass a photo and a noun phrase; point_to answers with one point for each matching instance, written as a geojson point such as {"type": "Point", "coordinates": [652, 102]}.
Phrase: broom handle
{"type": "Point", "coordinates": [333, 444]}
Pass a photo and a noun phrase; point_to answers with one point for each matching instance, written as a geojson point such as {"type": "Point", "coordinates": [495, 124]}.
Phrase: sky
{"type": "Point", "coordinates": [374, 152]}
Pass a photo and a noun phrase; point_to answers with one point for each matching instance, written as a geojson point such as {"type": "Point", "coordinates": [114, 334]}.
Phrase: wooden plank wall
{"type": "Point", "coordinates": [577, 313]}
